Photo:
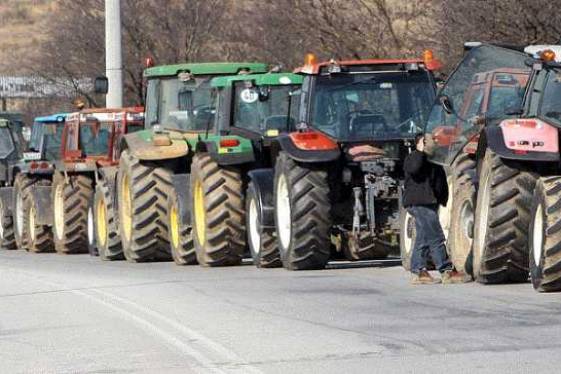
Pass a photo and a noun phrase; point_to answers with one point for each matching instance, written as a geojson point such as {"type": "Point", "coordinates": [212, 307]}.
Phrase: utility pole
{"type": "Point", "coordinates": [113, 53]}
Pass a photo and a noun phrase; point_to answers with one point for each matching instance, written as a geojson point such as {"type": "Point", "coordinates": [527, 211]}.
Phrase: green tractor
{"type": "Point", "coordinates": [208, 217]}
{"type": "Point", "coordinates": [11, 147]}
{"type": "Point", "coordinates": [179, 111]}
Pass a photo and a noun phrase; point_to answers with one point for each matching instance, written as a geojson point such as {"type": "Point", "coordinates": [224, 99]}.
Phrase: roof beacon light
{"type": "Point", "coordinates": [149, 62]}
{"type": "Point", "coordinates": [428, 56]}
{"type": "Point", "coordinates": [547, 55]}
{"type": "Point", "coordinates": [333, 67]}
{"type": "Point", "coordinates": [310, 59]}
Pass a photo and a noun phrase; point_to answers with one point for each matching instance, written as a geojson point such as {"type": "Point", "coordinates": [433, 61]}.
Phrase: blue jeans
{"type": "Point", "coordinates": [429, 239]}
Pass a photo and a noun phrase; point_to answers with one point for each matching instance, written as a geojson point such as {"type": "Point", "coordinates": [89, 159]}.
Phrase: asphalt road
{"type": "Point", "coordinates": [76, 314]}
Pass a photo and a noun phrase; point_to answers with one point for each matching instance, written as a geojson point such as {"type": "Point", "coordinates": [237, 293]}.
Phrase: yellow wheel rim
{"type": "Point", "coordinates": [174, 226]}
{"type": "Point", "coordinates": [32, 224]}
{"type": "Point", "coordinates": [101, 223]}
{"type": "Point", "coordinates": [59, 210]}
{"type": "Point", "coordinates": [199, 208]}
{"type": "Point", "coordinates": [126, 211]}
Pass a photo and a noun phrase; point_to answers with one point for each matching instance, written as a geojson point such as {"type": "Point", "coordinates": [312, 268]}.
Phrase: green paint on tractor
{"type": "Point", "coordinates": [270, 79]}
{"type": "Point", "coordinates": [207, 68]}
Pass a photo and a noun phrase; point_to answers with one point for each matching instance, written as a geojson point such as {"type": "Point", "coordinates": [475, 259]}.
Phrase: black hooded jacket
{"type": "Point", "coordinates": [425, 182]}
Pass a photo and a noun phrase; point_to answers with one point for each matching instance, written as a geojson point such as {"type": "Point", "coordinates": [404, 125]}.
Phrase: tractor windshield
{"type": "Point", "coordinates": [377, 105]}
{"type": "Point", "coordinates": [52, 135]}
{"type": "Point", "coordinates": [7, 145]}
{"type": "Point", "coordinates": [185, 105]}
{"type": "Point", "coordinates": [487, 84]}
{"type": "Point", "coordinates": [94, 138]}
{"type": "Point", "coordinates": [550, 108]}
{"type": "Point", "coordinates": [263, 108]}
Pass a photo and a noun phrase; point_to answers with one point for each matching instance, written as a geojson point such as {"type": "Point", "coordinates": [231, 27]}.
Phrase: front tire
{"type": "Point", "coordinates": [262, 241]}
{"type": "Point", "coordinates": [106, 225]}
{"type": "Point", "coordinates": [460, 238]}
{"type": "Point", "coordinates": [545, 235]}
{"type": "Point", "coordinates": [22, 194]}
{"type": "Point", "coordinates": [7, 233]}
{"type": "Point", "coordinates": [302, 214]}
{"type": "Point", "coordinates": [502, 218]}
{"type": "Point", "coordinates": [142, 195]}
{"type": "Point", "coordinates": [71, 201]}
{"type": "Point", "coordinates": [407, 237]}
{"type": "Point", "coordinates": [218, 213]}
{"type": "Point", "coordinates": [40, 237]}
{"type": "Point", "coordinates": [180, 234]}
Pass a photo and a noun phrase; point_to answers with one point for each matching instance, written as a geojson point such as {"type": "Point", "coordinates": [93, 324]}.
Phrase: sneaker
{"type": "Point", "coordinates": [453, 276]}
{"type": "Point", "coordinates": [424, 277]}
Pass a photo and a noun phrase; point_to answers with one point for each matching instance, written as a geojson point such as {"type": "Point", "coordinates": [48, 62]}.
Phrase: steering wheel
{"type": "Point", "coordinates": [365, 112]}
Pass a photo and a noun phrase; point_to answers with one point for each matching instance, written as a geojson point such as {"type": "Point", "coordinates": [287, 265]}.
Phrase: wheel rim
{"type": "Point", "coordinates": [126, 211]}
{"type": "Point", "coordinates": [174, 226]}
{"type": "Point", "coordinates": [444, 212]}
{"type": "Point", "coordinates": [483, 216]}
{"type": "Point", "coordinates": [199, 207]}
{"type": "Point", "coordinates": [1, 221]}
{"type": "Point", "coordinates": [283, 212]}
{"type": "Point", "coordinates": [254, 236]}
{"type": "Point", "coordinates": [537, 235]}
{"type": "Point", "coordinates": [409, 230]}
{"type": "Point", "coordinates": [467, 217]}
{"type": "Point", "coordinates": [19, 214]}
{"type": "Point", "coordinates": [101, 223]}
{"type": "Point", "coordinates": [59, 210]}
{"type": "Point", "coordinates": [91, 227]}
{"type": "Point", "coordinates": [32, 233]}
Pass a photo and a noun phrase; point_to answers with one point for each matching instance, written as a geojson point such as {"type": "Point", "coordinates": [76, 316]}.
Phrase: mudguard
{"type": "Point", "coordinates": [182, 185]}
{"type": "Point", "coordinates": [142, 146]}
{"type": "Point", "coordinates": [6, 197]}
{"type": "Point", "coordinates": [307, 155]}
{"type": "Point", "coordinates": [43, 205]}
{"type": "Point", "coordinates": [263, 181]}
{"type": "Point", "coordinates": [531, 145]}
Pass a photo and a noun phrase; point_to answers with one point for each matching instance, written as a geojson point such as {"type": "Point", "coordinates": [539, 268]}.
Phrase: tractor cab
{"type": "Point", "coordinates": [258, 105]}
{"type": "Point", "coordinates": [128, 121]}
{"type": "Point", "coordinates": [367, 100]}
{"type": "Point", "coordinates": [178, 97]}
{"type": "Point", "coordinates": [45, 140]}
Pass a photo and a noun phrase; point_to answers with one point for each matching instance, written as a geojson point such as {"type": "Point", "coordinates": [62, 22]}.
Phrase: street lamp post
{"type": "Point", "coordinates": [113, 53]}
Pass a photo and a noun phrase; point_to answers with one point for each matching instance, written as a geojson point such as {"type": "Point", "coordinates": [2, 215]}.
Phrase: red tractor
{"type": "Point", "coordinates": [88, 161]}
{"type": "Point", "coordinates": [337, 178]}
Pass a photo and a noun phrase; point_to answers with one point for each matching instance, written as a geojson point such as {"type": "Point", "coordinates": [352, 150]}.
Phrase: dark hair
{"type": "Point", "coordinates": [418, 137]}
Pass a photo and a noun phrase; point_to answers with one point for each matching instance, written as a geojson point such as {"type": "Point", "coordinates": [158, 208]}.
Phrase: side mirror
{"type": "Point", "coordinates": [446, 104]}
{"type": "Point", "coordinates": [101, 85]}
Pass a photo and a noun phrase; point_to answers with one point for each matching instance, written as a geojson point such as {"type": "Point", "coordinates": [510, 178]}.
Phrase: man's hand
{"type": "Point", "coordinates": [420, 144]}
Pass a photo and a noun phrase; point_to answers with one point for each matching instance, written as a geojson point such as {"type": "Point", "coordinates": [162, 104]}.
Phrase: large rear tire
{"type": "Point", "coordinates": [262, 241]}
{"type": "Point", "coordinates": [302, 214]}
{"type": "Point", "coordinates": [39, 236]}
{"type": "Point", "coordinates": [460, 237]}
{"type": "Point", "coordinates": [218, 213]}
{"type": "Point", "coordinates": [21, 203]}
{"type": "Point", "coordinates": [180, 234]}
{"type": "Point", "coordinates": [545, 235]}
{"type": "Point", "coordinates": [407, 237]}
{"type": "Point", "coordinates": [142, 194]}
{"type": "Point", "coordinates": [106, 226]}
{"type": "Point", "coordinates": [71, 201]}
{"type": "Point", "coordinates": [7, 233]}
{"type": "Point", "coordinates": [502, 219]}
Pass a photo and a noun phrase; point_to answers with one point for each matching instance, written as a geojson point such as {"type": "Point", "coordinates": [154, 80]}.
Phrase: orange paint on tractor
{"type": "Point", "coordinates": [312, 141]}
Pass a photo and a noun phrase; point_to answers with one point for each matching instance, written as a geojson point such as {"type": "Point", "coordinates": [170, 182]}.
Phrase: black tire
{"type": "Point", "coordinates": [545, 235]}
{"type": "Point", "coordinates": [460, 237]}
{"type": "Point", "coordinates": [406, 237]}
{"type": "Point", "coordinates": [262, 241]}
{"type": "Point", "coordinates": [502, 219]}
{"type": "Point", "coordinates": [180, 235]}
{"type": "Point", "coordinates": [7, 233]}
{"type": "Point", "coordinates": [106, 226]}
{"type": "Point", "coordinates": [303, 207]}
{"type": "Point", "coordinates": [39, 237]}
{"type": "Point", "coordinates": [71, 201]}
{"type": "Point", "coordinates": [366, 247]}
{"type": "Point", "coordinates": [220, 238]}
{"type": "Point", "coordinates": [21, 204]}
{"type": "Point", "coordinates": [142, 195]}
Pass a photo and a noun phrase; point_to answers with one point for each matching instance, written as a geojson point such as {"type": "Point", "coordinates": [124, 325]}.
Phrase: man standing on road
{"type": "Point", "coordinates": [425, 189]}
